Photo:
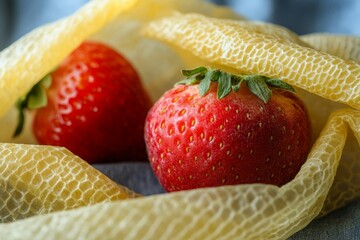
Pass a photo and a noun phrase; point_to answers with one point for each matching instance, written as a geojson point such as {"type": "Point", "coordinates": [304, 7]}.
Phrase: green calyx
{"type": "Point", "coordinates": [36, 98]}
{"type": "Point", "coordinates": [227, 82]}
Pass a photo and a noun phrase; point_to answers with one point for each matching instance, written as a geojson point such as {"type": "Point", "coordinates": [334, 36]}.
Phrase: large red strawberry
{"type": "Point", "coordinates": [96, 106]}
{"type": "Point", "coordinates": [258, 133]}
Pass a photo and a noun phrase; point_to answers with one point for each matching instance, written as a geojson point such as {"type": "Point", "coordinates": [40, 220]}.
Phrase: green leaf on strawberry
{"type": "Point", "coordinates": [36, 98]}
{"type": "Point", "coordinates": [192, 72]}
{"type": "Point", "coordinates": [224, 85]}
{"type": "Point", "coordinates": [279, 84]}
{"type": "Point", "coordinates": [205, 83]}
{"type": "Point", "coordinates": [258, 84]}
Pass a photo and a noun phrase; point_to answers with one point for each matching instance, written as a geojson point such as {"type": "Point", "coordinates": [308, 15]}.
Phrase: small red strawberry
{"type": "Point", "coordinates": [217, 136]}
{"type": "Point", "coordinates": [96, 106]}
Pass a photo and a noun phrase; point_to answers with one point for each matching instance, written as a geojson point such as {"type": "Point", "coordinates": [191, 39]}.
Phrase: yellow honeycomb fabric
{"type": "Point", "coordinates": [49, 181]}
{"type": "Point", "coordinates": [247, 47]}
{"type": "Point", "coordinates": [346, 184]}
{"type": "Point", "coordinates": [36, 180]}
{"type": "Point", "coordinates": [346, 47]}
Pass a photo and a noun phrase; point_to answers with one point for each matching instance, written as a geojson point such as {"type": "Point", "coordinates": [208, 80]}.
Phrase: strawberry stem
{"type": "Point", "coordinates": [257, 84]}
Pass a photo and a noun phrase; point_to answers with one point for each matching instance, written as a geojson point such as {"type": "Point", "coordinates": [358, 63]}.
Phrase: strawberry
{"type": "Point", "coordinates": [96, 106]}
{"type": "Point", "coordinates": [217, 128]}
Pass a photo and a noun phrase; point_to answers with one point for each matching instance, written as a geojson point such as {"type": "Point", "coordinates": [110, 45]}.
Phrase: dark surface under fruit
{"type": "Point", "coordinates": [341, 224]}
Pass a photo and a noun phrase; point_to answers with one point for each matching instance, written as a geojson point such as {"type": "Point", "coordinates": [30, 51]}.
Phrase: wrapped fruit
{"type": "Point", "coordinates": [38, 179]}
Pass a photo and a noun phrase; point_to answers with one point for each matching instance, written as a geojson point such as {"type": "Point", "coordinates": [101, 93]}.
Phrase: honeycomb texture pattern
{"type": "Point", "coordinates": [232, 212]}
{"type": "Point", "coordinates": [247, 47]}
{"type": "Point", "coordinates": [346, 47]}
{"type": "Point", "coordinates": [36, 180]}
{"type": "Point", "coordinates": [346, 186]}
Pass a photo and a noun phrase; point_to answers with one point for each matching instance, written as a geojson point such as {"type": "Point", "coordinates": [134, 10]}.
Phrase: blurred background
{"type": "Point", "coordinates": [18, 17]}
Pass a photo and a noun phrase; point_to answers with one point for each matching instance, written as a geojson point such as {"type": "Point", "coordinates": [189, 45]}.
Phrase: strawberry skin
{"type": "Point", "coordinates": [96, 107]}
{"type": "Point", "coordinates": [198, 141]}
